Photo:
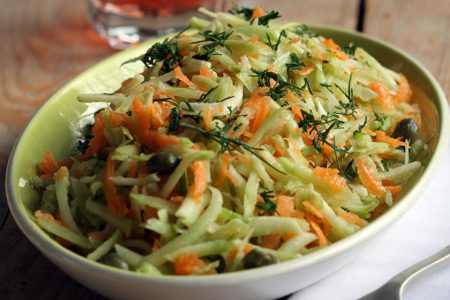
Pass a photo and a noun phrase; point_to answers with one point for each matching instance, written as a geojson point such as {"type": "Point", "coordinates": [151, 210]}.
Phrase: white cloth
{"type": "Point", "coordinates": [421, 232]}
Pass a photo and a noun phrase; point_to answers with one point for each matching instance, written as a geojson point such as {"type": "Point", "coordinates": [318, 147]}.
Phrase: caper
{"type": "Point", "coordinates": [406, 129]}
{"type": "Point", "coordinates": [256, 258]}
{"type": "Point", "coordinates": [222, 264]}
{"type": "Point", "coordinates": [163, 163]}
{"type": "Point", "coordinates": [114, 260]}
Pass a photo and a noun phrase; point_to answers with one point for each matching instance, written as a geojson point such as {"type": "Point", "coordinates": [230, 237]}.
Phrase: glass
{"type": "Point", "coordinates": [127, 22]}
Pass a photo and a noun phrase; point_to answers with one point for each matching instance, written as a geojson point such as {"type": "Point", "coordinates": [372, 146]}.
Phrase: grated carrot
{"type": "Point", "coordinates": [48, 164]}
{"type": "Point", "coordinates": [351, 218]}
{"type": "Point", "coordinates": [199, 185]}
{"type": "Point", "coordinates": [313, 209]}
{"type": "Point", "coordinates": [114, 201]}
{"type": "Point", "coordinates": [183, 78]}
{"type": "Point", "coordinates": [380, 136]}
{"type": "Point", "coordinates": [98, 140]}
{"type": "Point", "coordinates": [285, 205]}
{"type": "Point", "coordinates": [207, 117]}
{"type": "Point", "coordinates": [394, 189]}
{"type": "Point", "coordinates": [271, 241]}
{"type": "Point", "coordinates": [369, 177]}
{"type": "Point", "coordinates": [335, 49]}
{"type": "Point", "coordinates": [331, 176]}
{"type": "Point", "coordinates": [205, 71]}
{"type": "Point", "coordinates": [258, 12]}
{"type": "Point", "coordinates": [187, 264]}
{"type": "Point", "coordinates": [403, 93]}
{"type": "Point", "coordinates": [383, 96]}
{"type": "Point", "coordinates": [318, 231]}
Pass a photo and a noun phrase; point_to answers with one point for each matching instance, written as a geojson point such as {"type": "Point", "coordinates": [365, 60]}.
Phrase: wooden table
{"type": "Point", "coordinates": [46, 43]}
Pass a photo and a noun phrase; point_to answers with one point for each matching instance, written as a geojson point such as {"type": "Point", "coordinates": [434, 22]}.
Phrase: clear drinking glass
{"type": "Point", "coordinates": [127, 22]}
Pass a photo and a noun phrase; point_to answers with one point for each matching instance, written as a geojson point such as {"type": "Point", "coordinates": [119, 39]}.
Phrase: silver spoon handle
{"type": "Point", "coordinates": [393, 288]}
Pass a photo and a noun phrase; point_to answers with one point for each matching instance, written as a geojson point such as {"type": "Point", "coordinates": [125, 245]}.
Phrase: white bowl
{"type": "Point", "coordinates": [57, 120]}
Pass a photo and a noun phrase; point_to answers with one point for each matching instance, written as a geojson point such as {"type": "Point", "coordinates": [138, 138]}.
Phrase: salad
{"type": "Point", "coordinates": [243, 143]}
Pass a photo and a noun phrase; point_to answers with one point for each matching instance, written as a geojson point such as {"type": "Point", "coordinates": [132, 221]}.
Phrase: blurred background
{"type": "Point", "coordinates": [45, 43]}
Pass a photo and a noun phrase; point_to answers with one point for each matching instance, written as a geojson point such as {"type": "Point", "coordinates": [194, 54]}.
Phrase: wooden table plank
{"type": "Point", "coordinates": [44, 44]}
{"type": "Point", "coordinates": [421, 28]}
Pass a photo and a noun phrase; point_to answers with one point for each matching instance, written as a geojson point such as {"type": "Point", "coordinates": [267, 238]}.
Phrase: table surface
{"type": "Point", "coordinates": [45, 43]}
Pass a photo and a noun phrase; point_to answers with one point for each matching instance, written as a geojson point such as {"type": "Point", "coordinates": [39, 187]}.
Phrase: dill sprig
{"type": "Point", "coordinates": [248, 15]}
{"type": "Point", "coordinates": [277, 43]}
{"type": "Point", "coordinates": [305, 31]}
{"type": "Point", "coordinates": [278, 87]}
{"type": "Point", "coordinates": [268, 205]}
{"type": "Point", "coordinates": [322, 128]}
{"type": "Point", "coordinates": [349, 49]}
{"type": "Point", "coordinates": [212, 41]}
{"type": "Point", "coordinates": [166, 52]}
{"type": "Point", "coordinates": [219, 135]}
{"type": "Point", "coordinates": [295, 63]}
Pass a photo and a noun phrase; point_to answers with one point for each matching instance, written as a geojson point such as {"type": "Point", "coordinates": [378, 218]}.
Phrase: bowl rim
{"type": "Point", "coordinates": [48, 246]}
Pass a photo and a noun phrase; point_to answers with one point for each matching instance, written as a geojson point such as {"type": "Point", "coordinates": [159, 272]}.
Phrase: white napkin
{"type": "Point", "coordinates": [421, 232]}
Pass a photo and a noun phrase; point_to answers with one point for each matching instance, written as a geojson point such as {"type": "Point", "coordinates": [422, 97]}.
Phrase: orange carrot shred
{"type": "Point", "coordinates": [351, 218]}
{"type": "Point", "coordinates": [114, 201]}
{"type": "Point", "coordinates": [258, 12]}
{"type": "Point", "coordinates": [331, 177]}
{"type": "Point", "coordinates": [318, 231]}
{"type": "Point", "coordinates": [199, 186]}
{"type": "Point", "coordinates": [187, 264]}
{"type": "Point", "coordinates": [285, 205]}
{"type": "Point", "coordinates": [48, 164]}
{"type": "Point", "coordinates": [271, 241]}
{"type": "Point", "coordinates": [382, 92]}
{"type": "Point", "coordinates": [183, 78]}
{"type": "Point", "coordinates": [369, 178]}
{"type": "Point", "coordinates": [313, 209]}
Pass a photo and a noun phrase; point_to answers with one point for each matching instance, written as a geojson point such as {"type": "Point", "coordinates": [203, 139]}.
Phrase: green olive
{"type": "Point", "coordinates": [406, 129]}
{"type": "Point", "coordinates": [114, 260]}
{"type": "Point", "coordinates": [256, 258]}
{"type": "Point", "coordinates": [163, 163]}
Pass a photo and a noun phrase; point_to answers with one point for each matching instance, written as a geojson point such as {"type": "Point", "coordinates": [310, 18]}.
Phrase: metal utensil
{"type": "Point", "coordinates": [393, 289]}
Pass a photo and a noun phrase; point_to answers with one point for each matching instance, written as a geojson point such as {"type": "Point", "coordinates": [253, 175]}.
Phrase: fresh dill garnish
{"type": "Point", "coordinates": [248, 15]}
{"type": "Point", "coordinates": [174, 120]}
{"type": "Point", "coordinates": [167, 52]}
{"type": "Point", "coordinates": [264, 20]}
{"type": "Point", "coordinates": [321, 129]}
{"type": "Point", "coordinates": [304, 30]}
{"type": "Point", "coordinates": [327, 86]}
{"type": "Point", "coordinates": [360, 127]}
{"type": "Point", "coordinates": [277, 43]}
{"type": "Point", "coordinates": [204, 97]}
{"type": "Point", "coordinates": [245, 11]}
{"type": "Point", "coordinates": [278, 87]}
{"type": "Point", "coordinates": [295, 63]}
{"type": "Point", "coordinates": [349, 93]}
{"type": "Point", "coordinates": [349, 49]}
{"type": "Point", "coordinates": [268, 205]}
{"type": "Point", "coordinates": [228, 143]}
{"type": "Point", "coordinates": [381, 122]}
{"type": "Point", "coordinates": [308, 86]}
{"type": "Point", "coordinates": [212, 41]}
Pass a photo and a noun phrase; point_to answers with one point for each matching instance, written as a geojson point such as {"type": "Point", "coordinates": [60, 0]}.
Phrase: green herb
{"type": "Point", "coordinates": [248, 15]}
{"type": "Point", "coordinates": [295, 63]}
{"type": "Point", "coordinates": [245, 11]}
{"type": "Point", "coordinates": [268, 205]}
{"type": "Point", "coordinates": [275, 46]}
{"type": "Point", "coordinates": [360, 127]}
{"type": "Point", "coordinates": [381, 122]}
{"type": "Point", "coordinates": [277, 90]}
{"type": "Point", "coordinates": [307, 85]}
{"type": "Point", "coordinates": [304, 30]}
{"type": "Point", "coordinates": [212, 41]}
{"type": "Point", "coordinates": [350, 172]}
{"type": "Point", "coordinates": [349, 49]}
{"type": "Point", "coordinates": [322, 128]}
{"type": "Point", "coordinates": [264, 20]}
{"type": "Point", "coordinates": [166, 52]}
{"type": "Point", "coordinates": [227, 143]}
